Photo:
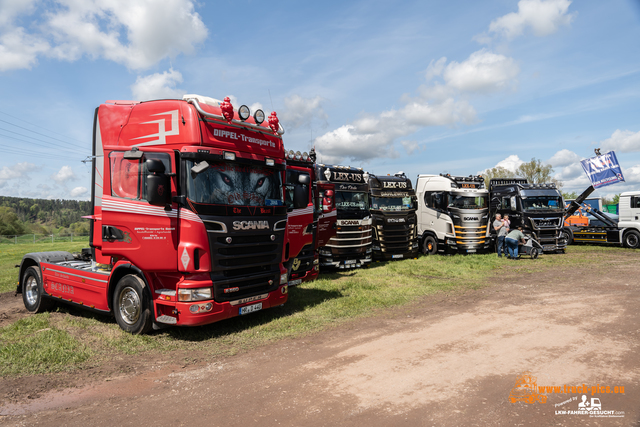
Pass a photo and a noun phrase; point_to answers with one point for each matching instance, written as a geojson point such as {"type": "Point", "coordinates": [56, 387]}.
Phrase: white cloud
{"type": "Point", "coordinates": [564, 157]}
{"type": "Point", "coordinates": [158, 86]}
{"type": "Point", "coordinates": [17, 171]}
{"type": "Point", "coordinates": [410, 146]}
{"type": "Point", "coordinates": [10, 9]}
{"type": "Point", "coordinates": [543, 17]}
{"type": "Point", "coordinates": [511, 163]}
{"type": "Point", "coordinates": [79, 191]}
{"type": "Point", "coordinates": [135, 33]}
{"type": "Point", "coordinates": [483, 71]}
{"type": "Point", "coordinates": [622, 140]}
{"type": "Point", "coordinates": [301, 112]}
{"type": "Point", "coordinates": [64, 174]}
{"type": "Point", "coordinates": [20, 50]}
{"type": "Point", "coordinates": [437, 104]}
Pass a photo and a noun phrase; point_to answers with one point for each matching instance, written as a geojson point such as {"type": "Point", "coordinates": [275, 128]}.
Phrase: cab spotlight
{"type": "Point", "coordinates": [258, 116]}
{"type": "Point", "coordinates": [298, 155]}
{"type": "Point", "coordinates": [244, 112]}
{"type": "Point", "coordinates": [305, 156]}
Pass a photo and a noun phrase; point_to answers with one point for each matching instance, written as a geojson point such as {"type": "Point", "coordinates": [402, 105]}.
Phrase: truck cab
{"type": "Point", "coordinates": [538, 208]}
{"type": "Point", "coordinates": [188, 217]}
{"type": "Point", "coordinates": [393, 215]}
{"type": "Point", "coordinates": [311, 223]}
{"type": "Point", "coordinates": [453, 214]}
{"type": "Point", "coordinates": [351, 246]}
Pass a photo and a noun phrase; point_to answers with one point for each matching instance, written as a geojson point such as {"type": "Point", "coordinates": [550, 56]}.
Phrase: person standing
{"type": "Point", "coordinates": [501, 229]}
{"type": "Point", "coordinates": [513, 238]}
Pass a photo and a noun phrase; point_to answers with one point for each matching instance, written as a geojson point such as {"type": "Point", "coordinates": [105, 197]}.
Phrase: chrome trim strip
{"type": "Point", "coordinates": [224, 226]}
{"type": "Point", "coordinates": [275, 226]}
{"type": "Point", "coordinates": [77, 275]}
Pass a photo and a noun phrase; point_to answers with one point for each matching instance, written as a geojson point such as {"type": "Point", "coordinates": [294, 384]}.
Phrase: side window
{"type": "Point", "coordinates": [128, 176]}
{"type": "Point", "coordinates": [635, 202]}
{"type": "Point", "coordinates": [427, 199]}
{"type": "Point", "coordinates": [506, 203]}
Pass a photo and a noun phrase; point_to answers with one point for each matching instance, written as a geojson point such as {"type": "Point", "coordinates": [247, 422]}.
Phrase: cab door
{"type": "Point", "coordinates": [299, 220]}
{"type": "Point", "coordinates": [133, 229]}
{"type": "Point", "coordinates": [327, 213]}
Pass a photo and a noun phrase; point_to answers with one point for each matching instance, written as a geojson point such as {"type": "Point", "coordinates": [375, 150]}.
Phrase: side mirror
{"type": "Point", "coordinates": [158, 184]}
{"type": "Point", "coordinates": [513, 203]}
{"type": "Point", "coordinates": [304, 179]}
{"type": "Point", "coordinates": [327, 202]}
{"type": "Point", "coordinates": [300, 197]}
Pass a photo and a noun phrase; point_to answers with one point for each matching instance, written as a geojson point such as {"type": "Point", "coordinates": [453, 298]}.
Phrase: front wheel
{"type": "Point", "coordinates": [429, 245]}
{"type": "Point", "coordinates": [567, 235]}
{"type": "Point", "coordinates": [131, 305]}
{"type": "Point", "coordinates": [32, 291]}
{"type": "Point", "coordinates": [632, 239]}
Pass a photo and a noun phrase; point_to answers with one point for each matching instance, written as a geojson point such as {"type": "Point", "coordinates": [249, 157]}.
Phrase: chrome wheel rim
{"type": "Point", "coordinates": [31, 290]}
{"type": "Point", "coordinates": [632, 240]}
{"type": "Point", "coordinates": [129, 305]}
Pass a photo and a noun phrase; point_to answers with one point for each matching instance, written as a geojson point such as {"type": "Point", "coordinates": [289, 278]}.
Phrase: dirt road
{"type": "Point", "coordinates": [450, 360]}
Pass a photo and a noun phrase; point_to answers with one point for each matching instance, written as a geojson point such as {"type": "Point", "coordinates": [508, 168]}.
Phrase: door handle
{"type": "Point", "coordinates": [111, 233]}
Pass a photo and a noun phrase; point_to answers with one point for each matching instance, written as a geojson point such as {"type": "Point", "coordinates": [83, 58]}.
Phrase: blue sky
{"type": "Point", "coordinates": [422, 87]}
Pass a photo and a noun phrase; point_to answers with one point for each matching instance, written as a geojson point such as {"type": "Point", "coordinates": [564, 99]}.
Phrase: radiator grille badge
{"type": "Point", "coordinates": [273, 237]}
{"type": "Point", "coordinates": [228, 240]}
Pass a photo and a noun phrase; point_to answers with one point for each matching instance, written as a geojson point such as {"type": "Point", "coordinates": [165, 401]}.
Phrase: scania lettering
{"type": "Point", "coordinates": [188, 218]}
{"type": "Point", "coordinates": [351, 246]}
{"type": "Point", "coordinates": [453, 214]}
{"type": "Point", "coordinates": [312, 222]}
{"type": "Point", "coordinates": [538, 208]}
{"type": "Point", "coordinates": [393, 212]}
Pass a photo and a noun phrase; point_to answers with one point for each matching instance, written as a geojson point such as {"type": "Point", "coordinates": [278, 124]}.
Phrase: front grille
{"type": "Point", "coordinates": [248, 265]}
{"type": "Point", "coordinates": [546, 222]}
{"type": "Point", "coordinates": [470, 236]}
{"type": "Point", "coordinates": [396, 239]}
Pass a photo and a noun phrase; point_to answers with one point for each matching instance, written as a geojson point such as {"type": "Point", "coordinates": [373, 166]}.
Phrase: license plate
{"type": "Point", "coordinates": [250, 308]}
{"type": "Point", "coordinates": [350, 261]}
{"type": "Point", "coordinates": [397, 256]}
{"type": "Point", "coordinates": [471, 251]}
{"type": "Point", "coordinates": [295, 282]}
{"type": "Point", "coordinates": [549, 247]}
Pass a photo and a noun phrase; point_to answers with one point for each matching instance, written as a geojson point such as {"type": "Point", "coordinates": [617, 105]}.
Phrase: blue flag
{"type": "Point", "coordinates": [603, 170]}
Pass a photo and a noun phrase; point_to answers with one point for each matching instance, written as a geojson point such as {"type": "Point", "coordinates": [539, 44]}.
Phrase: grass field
{"type": "Point", "coordinates": [69, 338]}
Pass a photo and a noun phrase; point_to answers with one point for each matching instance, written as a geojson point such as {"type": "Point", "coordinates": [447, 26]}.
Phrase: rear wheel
{"type": "Point", "coordinates": [32, 291]}
{"type": "Point", "coordinates": [534, 253]}
{"type": "Point", "coordinates": [632, 239]}
{"type": "Point", "coordinates": [131, 305]}
{"type": "Point", "coordinates": [429, 245]}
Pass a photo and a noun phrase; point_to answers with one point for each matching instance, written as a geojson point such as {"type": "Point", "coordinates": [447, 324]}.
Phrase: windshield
{"type": "Point", "coordinates": [350, 200]}
{"type": "Point", "coordinates": [467, 202]}
{"type": "Point", "coordinates": [391, 203]}
{"type": "Point", "coordinates": [225, 183]}
{"type": "Point", "coordinates": [541, 203]}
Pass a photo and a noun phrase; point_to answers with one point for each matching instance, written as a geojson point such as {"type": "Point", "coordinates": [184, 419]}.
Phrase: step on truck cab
{"type": "Point", "coordinates": [393, 215]}
{"type": "Point", "coordinates": [538, 208]}
{"type": "Point", "coordinates": [351, 246]}
{"type": "Point", "coordinates": [453, 214]}
{"type": "Point", "coordinates": [188, 217]}
{"type": "Point", "coordinates": [312, 222]}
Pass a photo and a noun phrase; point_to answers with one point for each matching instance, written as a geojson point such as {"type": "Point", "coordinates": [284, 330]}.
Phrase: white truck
{"type": "Point", "coordinates": [453, 214]}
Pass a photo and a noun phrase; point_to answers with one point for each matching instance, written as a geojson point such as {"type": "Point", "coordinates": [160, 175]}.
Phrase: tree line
{"type": "Point", "coordinates": [43, 216]}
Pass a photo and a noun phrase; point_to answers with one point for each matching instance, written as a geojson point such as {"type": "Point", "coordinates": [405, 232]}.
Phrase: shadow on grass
{"type": "Point", "coordinates": [299, 300]}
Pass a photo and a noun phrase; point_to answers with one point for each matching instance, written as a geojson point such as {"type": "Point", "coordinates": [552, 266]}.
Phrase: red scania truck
{"type": "Point", "coordinates": [188, 217]}
{"type": "Point", "coordinates": [312, 223]}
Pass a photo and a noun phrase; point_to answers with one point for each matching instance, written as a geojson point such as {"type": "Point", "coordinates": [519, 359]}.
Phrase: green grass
{"type": "Point", "coordinates": [34, 346]}
{"type": "Point", "coordinates": [11, 255]}
{"type": "Point", "coordinates": [332, 299]}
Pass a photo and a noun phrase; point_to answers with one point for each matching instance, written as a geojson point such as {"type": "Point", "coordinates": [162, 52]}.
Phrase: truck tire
{"type": "Point", "coordinates": [33, 292]}
{"type": "Point", "coordinates": [534, 253]}
{"type": "Point", "coordinates": [429, 245]}
{"type": "Point", "coordinates": [631, 239]}
{"type": "Point", "coordinates": [567, 234]}
{"type": "Point", "coordinates": [131, 305]}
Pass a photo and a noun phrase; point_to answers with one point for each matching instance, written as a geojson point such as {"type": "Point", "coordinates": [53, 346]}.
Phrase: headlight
{"type": "Point", "coordinates": [197, 294]}
{"type": "Point", "coordinates": [283, 278]}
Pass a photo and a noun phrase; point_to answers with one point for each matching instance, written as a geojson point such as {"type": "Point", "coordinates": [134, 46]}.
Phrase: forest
{"type": "Point", "coordinates": [42, 216]}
